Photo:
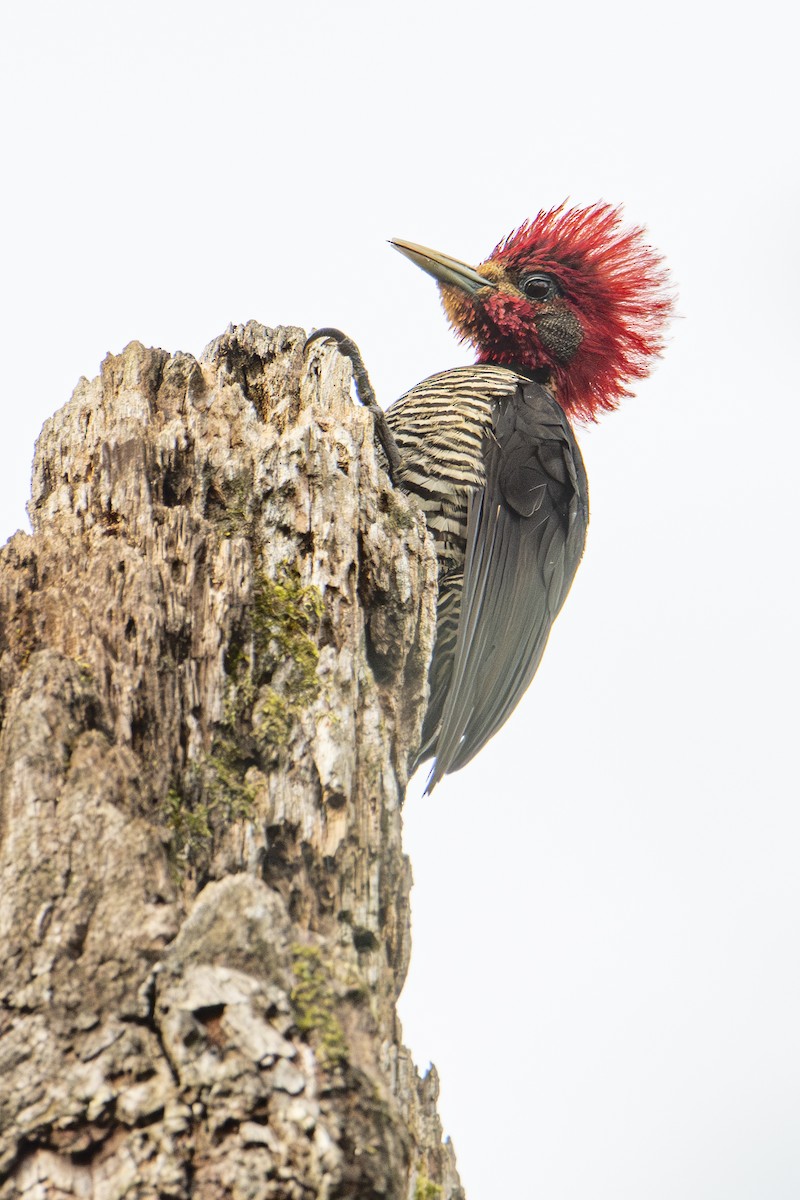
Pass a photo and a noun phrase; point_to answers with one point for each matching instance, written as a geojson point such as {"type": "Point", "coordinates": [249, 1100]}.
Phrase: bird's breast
{"type": "Point", "coordinates": [441, 427]}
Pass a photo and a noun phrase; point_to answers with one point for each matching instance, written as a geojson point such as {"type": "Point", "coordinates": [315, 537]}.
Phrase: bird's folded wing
{"type": "Point", "coordinates": [525, 535]}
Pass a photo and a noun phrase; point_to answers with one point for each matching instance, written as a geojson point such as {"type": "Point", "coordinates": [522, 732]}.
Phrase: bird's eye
{"type": "Point", "coordinates": [538, 286]}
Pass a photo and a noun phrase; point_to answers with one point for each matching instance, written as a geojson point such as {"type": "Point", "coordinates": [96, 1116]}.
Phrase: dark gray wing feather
{"type": "Point", "coordinates": [525, 537]}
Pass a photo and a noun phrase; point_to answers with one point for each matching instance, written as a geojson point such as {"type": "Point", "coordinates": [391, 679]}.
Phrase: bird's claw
{"type": "Point", "coordinates": [364, 391]}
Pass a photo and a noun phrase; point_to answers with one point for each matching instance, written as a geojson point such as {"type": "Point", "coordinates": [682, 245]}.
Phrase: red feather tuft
{"type": "Point", "coordinates": [611, 279]}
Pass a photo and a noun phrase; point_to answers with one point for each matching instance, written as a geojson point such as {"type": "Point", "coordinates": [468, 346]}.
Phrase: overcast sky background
{"type": "Point", "coordinates": [606, 964]}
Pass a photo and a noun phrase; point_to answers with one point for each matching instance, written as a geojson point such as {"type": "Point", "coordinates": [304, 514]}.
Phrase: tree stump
{"type": "Point", "coordinates": [213, 661]}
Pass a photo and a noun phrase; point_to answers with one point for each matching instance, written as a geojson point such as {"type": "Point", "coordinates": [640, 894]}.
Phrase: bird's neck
{"type": "Point", "coordinates": [543, 375]}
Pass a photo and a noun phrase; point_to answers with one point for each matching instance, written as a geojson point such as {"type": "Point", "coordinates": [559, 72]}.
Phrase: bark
{"type": "Point", "coordinates": [213, 658]}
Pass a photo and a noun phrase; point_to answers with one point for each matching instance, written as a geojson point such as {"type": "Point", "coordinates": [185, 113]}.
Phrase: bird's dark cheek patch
{"type": "Point", "coordinates": [560, 333]}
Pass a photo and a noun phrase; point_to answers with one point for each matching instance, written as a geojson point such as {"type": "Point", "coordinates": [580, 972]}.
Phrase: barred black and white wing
{"type": "Point", "coordinates": [525, 537]}
{"type": "Point", "coordinates": [441, 427]}
{"type": "Point", "coordinates": [494, 462]}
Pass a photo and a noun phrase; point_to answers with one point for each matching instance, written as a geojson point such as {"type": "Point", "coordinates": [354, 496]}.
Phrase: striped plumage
{"type": "Point", "coordinates": [440, 427]}
{"type": "Point", "coordinates": [493, 462]}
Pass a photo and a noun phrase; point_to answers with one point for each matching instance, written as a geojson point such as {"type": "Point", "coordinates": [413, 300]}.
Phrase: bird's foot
{"type": "Point", "coordinates": [364, 392]}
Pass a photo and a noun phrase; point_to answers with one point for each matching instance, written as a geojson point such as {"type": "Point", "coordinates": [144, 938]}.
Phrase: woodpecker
{"type": "Point", "coordinates": [565, 314]}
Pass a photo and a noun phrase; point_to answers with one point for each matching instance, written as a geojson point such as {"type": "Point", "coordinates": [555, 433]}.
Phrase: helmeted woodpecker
{"type": "Point", "coordinates": [565, 313]}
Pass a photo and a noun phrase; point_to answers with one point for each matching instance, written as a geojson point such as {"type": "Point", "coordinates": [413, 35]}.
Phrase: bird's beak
{"type": "Point", "coordinates": [447, 270]}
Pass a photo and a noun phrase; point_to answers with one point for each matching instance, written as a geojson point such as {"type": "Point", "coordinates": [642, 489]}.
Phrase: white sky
{"type": "Point", "coordinates": [606, 965]}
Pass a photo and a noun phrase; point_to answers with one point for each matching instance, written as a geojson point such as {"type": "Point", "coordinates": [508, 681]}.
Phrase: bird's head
{"type": "Point", "coordinates": [572, 294]}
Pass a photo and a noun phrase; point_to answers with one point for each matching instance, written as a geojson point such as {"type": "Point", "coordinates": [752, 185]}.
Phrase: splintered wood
{"type": "Point", "coordinates": [213, 660]}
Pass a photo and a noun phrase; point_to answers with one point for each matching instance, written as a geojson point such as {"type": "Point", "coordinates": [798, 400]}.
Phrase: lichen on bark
{"type": "Point", "coordinates": [213, 658]}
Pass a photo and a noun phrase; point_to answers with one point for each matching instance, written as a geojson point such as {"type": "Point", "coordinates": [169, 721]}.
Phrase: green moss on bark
{"type": "Point", "coordinates": [314, 1003]}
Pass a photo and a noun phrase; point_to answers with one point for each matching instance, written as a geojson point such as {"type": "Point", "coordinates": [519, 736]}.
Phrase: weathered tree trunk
{"type": "Point", "coordinates": [213, 653]}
